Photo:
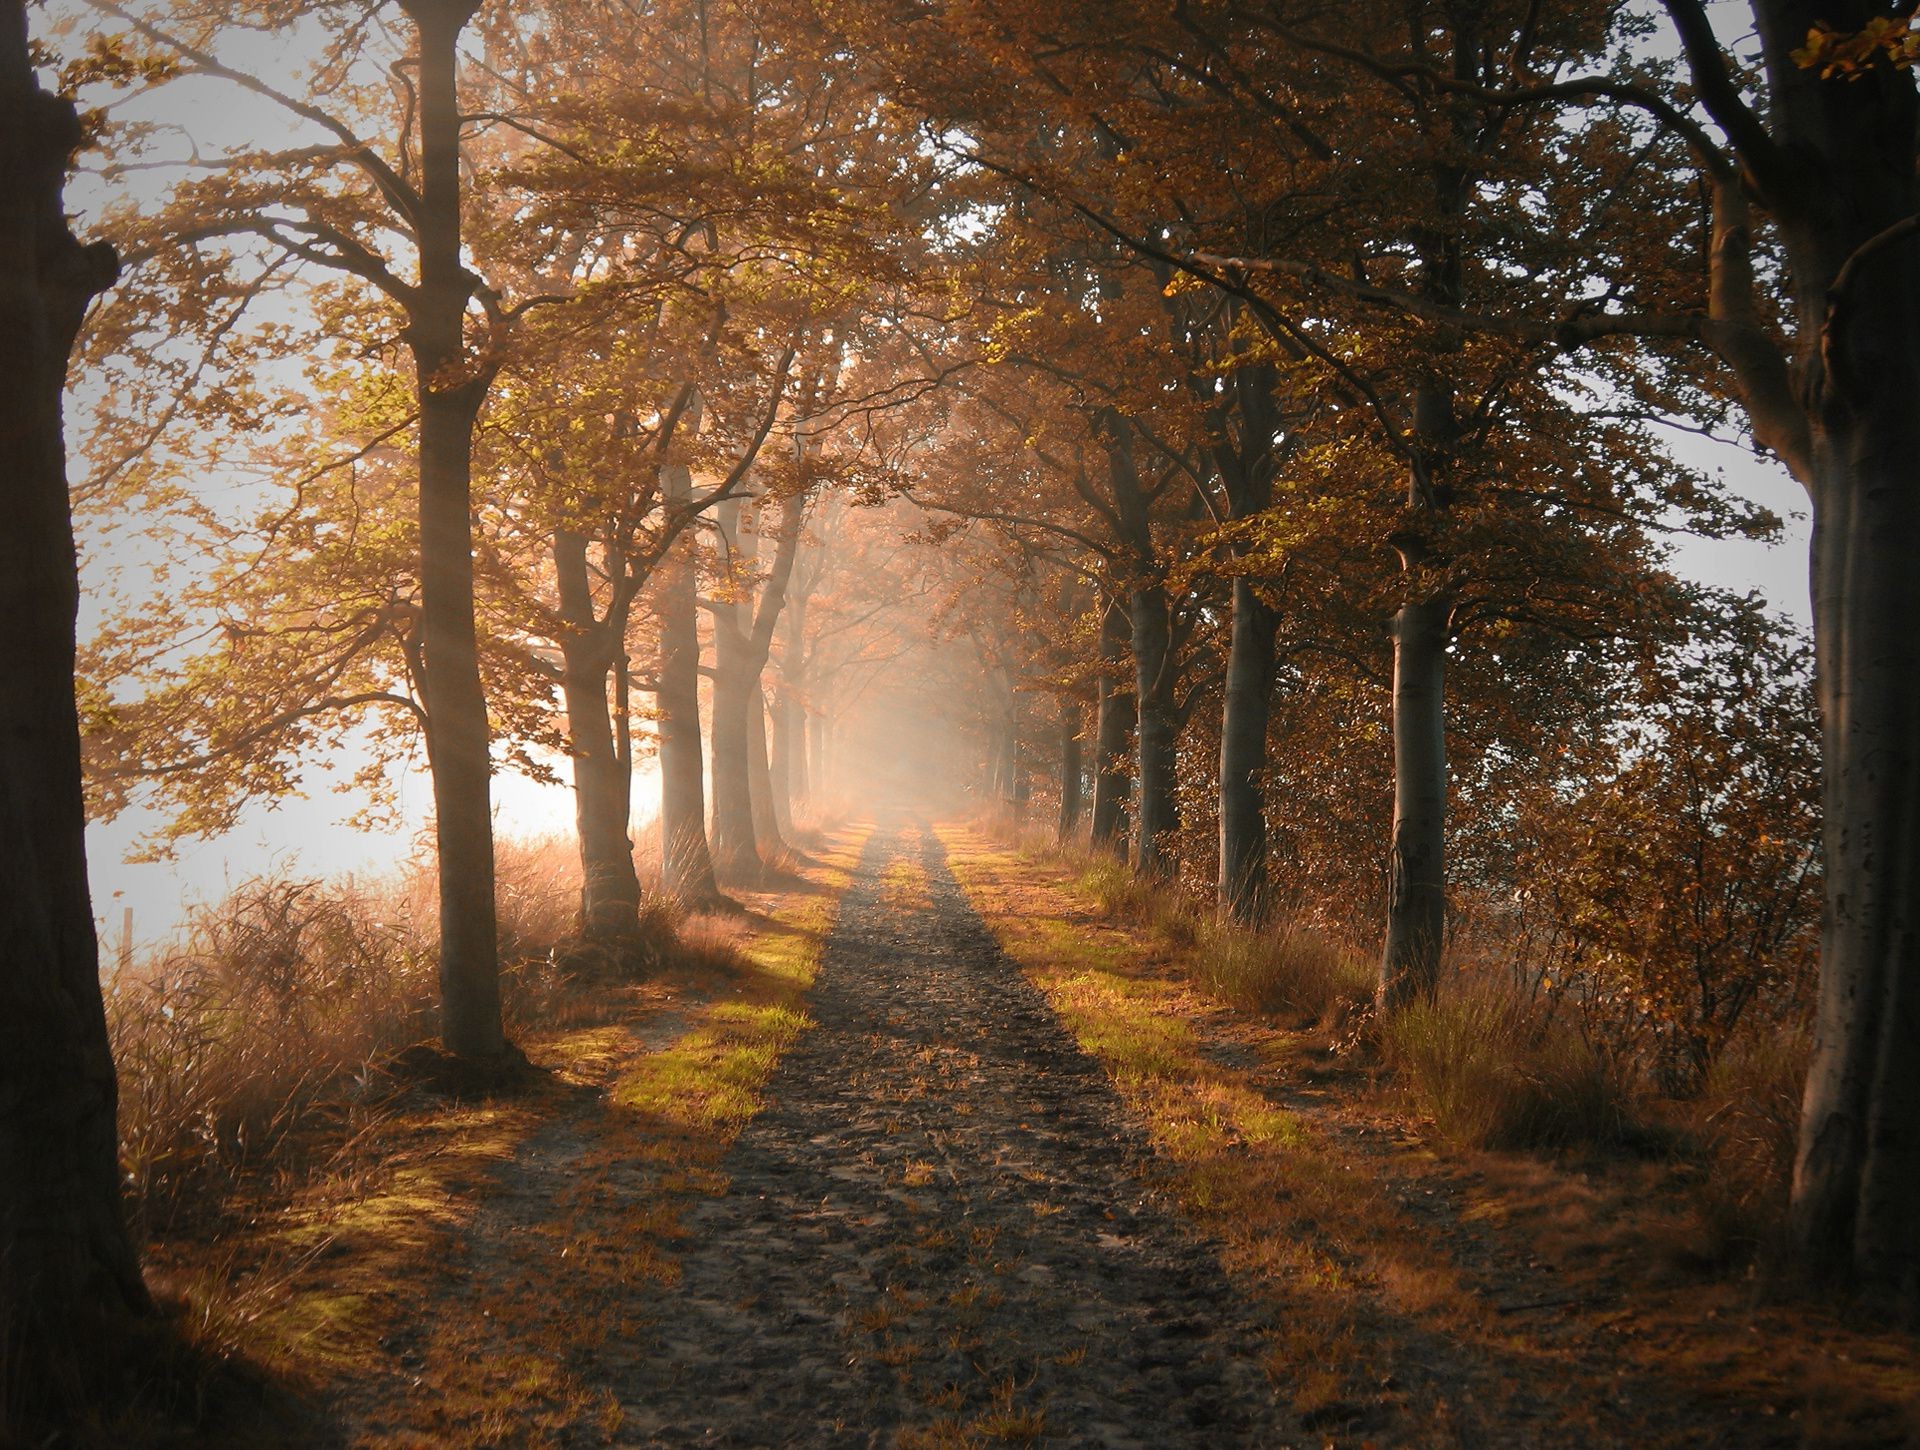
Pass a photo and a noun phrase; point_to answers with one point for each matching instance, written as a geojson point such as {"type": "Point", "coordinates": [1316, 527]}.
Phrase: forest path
{"type": "Point", "coordinates": [860, 1187]}
{"type": "Point", "coordinates": [937, 1227]}
{"type": "Point", "coordinates": [852, 1177]}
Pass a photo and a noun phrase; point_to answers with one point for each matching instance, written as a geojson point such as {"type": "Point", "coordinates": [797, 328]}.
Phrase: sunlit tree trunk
{"type": "Point", "coordinates": [686, 865]}
{"type": "Point", "coordinates": [743, 638]}
{"type": "Point", "coordinates": [1835, 165]}
{"type": "Point", "coordinates": [789, 739]}
{"type": "Point", "coordinates": [817, 729]}
{"type": "Point", "coordinates": [602, 779]}
{"type": "Point", "coordinates": [1113, 732]}
{"type": "Point", "coordinates": [780, 754]}
{"type": "Point", "coordinates": [450, 388]}
{"type": "Point", "coordinates": [1246, 469]}
{"type": "Point", "coordinates": [1417, 855]}
{"type": "Point", "coordinates": [768, 811]}
{"type": "Point", "coordinates": [1416, 882]}
{"type": "Point", "coordinates": [67, 1264]}
{"type": "Point", "coordinates": [734, 847]}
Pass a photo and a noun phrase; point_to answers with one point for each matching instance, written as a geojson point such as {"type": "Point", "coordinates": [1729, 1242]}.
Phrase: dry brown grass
{"type": "Point", "coordinates": [1433, 1294]}
{"type": "Point", "coordinates": [1489, 1070]}
{"type": "Point", "coordinates": [1746, 1122]}
{"type": "Point", "coordinates": [282, 1000]}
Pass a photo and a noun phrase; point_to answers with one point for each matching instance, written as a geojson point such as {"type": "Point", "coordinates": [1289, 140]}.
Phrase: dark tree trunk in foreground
{"type": "Point", "coordinates": [1247, 465]}
{"type": "Point", "coordinates": [1243, 757]}
{"type": "Point", "coordinates": [1156, 731]}
{"type": "Point", "coordinates": [685, 863]}
{"type": "Point", "coordinates": [1113, 729]}
{"type": "Point", "coordinates": [67, 1266]}
{"type": "Point", "coordinates": [450, 388]}
{"type": "Point", "coordinates": [602, 770]}
{"type": "Point", "coordinates": [1835, 166]}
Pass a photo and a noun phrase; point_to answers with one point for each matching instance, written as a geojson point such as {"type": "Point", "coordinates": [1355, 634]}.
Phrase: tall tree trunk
{"type": "Point", "coordinates": [766, 813]}
{"type": "Point", "coordinates": [790, 726]}
{"type": "Point", "coordinates": [685, 863]}
{"type": "Point", "coordinates": [1243, 757]}
{"type": "Point", "coordinates": [1416, 881]}
{"type": "Point", "coordinates": [1844, 188]}
{"type": "Point", "coordinates": [1157, 731]}
{"type": "Point", "coordinates": [1856, 1194]}
{"type": "Point", "coordinates": [1071, 770]}
{"type": "Point", "coordinates": [450, 388]}
{"type": "Point", "coordinates": [743, 639]}
{"type": "Point", "coordinates": [780, 753]}
{"type": "Point", "coordinates": [67, 1265]}
{"type": "Point", "coordinates": [735, 849]}
{"type": "Point", "coordinates": [1113, 731]}
{"type": "Point", "coordinates": [817, 729]}
{"type": "Point", "coordinates": [602, 782]}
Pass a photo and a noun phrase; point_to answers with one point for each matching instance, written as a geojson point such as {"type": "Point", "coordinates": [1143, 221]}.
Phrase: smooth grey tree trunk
{"type": "Point", "coordinates": [1245, 709]}
{"type": "Point", "coordinates": [1416, 877]}
{"type": "Point", "coordinates": [68, 1271]}
{"type": "Point", "coordinates": [602, 771]}
{"type": "Point", "coordinates": [1157, 732]}
{"type": "Point", "coordinates": [450, 389]}
{"type": "Point", "coordinates": [735, 850]}
{"type": "Point", "coordinates": [1113, 734]}
{"type": "Point", "coordinates": [743, 639]}
{"type": "Point", "coordinates": [767, 811]}
{"type": "Point", "coordinates": [686, 865]}
{"type": "Point", "coordinates": [1071, 772]}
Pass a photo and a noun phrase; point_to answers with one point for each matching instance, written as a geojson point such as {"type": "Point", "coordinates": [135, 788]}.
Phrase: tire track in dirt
{"type": "Point", "coordinates": [941, 1227]}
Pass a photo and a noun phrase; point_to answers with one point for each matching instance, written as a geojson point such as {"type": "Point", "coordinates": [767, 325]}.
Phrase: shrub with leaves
{"type": "Point", "coordinates": [1678, 863]}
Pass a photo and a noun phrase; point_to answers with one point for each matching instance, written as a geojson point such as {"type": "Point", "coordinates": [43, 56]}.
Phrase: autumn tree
{"type": "Point", "coordinates": [389, 217]}
{"type": "Point", "coordinates": [68, 1271]}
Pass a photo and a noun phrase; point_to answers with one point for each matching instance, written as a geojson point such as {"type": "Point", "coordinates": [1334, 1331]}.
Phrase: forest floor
{"type": "Point", "coordinates": [936, 1156]}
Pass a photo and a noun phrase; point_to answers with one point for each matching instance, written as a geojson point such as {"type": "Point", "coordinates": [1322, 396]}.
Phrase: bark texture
{"type": "Point", "coordinates": [592, 650]}
{"type": "Point", "coordinates": [743, 638]}
{"type": "Point", "coordinates": [1113, 731]}
{"type": "Point", "coordinates": [1835, 166]}
{"type": "Point", "coordinates": [450, 387]}
{"type": "Point", "coordinates": [1157, 732]}
{"type": "Point", "coordinates": [686, 863]}
{"type": "Point", "coordinates": [1072, 771]}
{"type": "Point", "coordinates": [67, 1265]}
{"type": "Point", "coordinates": [1245, 708]}
{"type": "Point", "coordinates": [1416, 879]}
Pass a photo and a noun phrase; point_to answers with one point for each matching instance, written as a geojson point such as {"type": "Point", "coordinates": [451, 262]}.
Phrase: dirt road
{"type": "Point", "coordinates": [941, 1225]}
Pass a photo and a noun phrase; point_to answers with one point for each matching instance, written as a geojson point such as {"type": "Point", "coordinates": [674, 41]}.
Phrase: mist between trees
{"type": "Point", "coordinates": [1230, 433]}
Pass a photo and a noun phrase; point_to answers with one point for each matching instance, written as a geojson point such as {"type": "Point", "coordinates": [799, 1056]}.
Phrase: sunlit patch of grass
{"type": "Point", "coordinates": [1297, 1220]}
{"type": "Point", "coordinates": [903, 885]}
{"type": "Point", "coordinates": [1349, 1230]}
{"type": "Point", "coordinates": [375, 1247]}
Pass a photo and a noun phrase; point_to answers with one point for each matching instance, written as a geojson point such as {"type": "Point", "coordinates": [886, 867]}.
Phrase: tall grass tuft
{"type": "Point", "coordinates": [1747, 1128]}
{"type": "Point", "coordinates": [1285, 969]}
{"type": "Point", "coordinates": [287, 993]}
{"type": "Point", "coordinates": [1491, 1072]}
{"type": "Point", "coordinates": [273, 994]}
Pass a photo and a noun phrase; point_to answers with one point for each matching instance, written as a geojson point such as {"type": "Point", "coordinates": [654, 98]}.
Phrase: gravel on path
{"type": "Point", "coordinates": [941, 1228]}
